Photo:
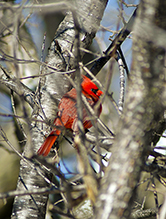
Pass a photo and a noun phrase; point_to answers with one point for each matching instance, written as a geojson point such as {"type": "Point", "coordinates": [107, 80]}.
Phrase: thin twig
{"type": "Point", "coordinates": [114, 102]}
{"type": "Point", "coordinates": [128, 5]}
{"type": "Point", "coordinates": [122, 82]}
{"type": "Point", "coordinates": [17, 118]}
{"type": "Point", "coordinates": [3, 134]}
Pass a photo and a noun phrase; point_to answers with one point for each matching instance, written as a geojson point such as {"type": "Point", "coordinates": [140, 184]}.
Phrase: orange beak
{"type": "Point", "coordinates": [99, 93]}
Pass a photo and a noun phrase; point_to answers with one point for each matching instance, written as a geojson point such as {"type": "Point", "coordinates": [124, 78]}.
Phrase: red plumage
{"type": "Point", "coordinates": [67, 114]}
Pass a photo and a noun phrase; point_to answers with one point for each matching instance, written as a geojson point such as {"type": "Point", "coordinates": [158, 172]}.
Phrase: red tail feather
{"type": "Point", "coordinates": [48, 143]}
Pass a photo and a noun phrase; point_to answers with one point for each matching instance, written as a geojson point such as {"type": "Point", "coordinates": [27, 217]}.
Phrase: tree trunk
{"type": "Point", "coordinates": [143, 114]}
{"type": "Point", "coordinates": [50, 90]}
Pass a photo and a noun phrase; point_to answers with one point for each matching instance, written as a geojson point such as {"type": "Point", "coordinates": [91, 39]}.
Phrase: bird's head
{"type": "Point", "coordinates": [90, 89]}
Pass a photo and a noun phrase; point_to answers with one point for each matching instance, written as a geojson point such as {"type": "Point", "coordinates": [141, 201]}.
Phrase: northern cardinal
{"type": "Point", "coordinates": [67, 114]}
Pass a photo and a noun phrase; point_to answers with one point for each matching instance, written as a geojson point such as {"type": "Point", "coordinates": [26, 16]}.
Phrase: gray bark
{"type": "Point", "coordinates": [61, 56]}
{"type": "Point", "coordinates": [143, 114]}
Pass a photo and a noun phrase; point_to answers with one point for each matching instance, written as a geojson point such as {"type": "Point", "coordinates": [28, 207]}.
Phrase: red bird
{"type": "Point", "coordinates": [67, 114]}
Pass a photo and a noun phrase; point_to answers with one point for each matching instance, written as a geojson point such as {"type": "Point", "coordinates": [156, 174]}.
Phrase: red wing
{"type": "Point", "coordinates": [67, 110]}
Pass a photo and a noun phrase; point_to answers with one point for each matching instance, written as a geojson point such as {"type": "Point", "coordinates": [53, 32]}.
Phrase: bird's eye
{"type": "Point", "coordinates": [94, 90]}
